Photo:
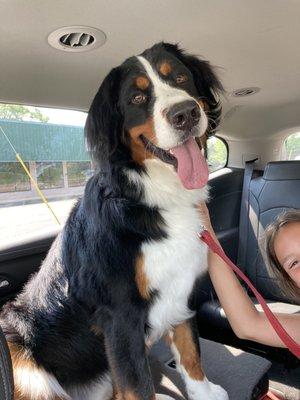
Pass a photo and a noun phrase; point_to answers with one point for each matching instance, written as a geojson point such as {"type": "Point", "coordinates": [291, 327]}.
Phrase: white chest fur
{"type": "Point", "coordinates": [172, 265]}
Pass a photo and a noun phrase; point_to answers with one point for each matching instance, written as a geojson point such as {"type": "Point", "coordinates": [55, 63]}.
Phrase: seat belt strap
{"type": "Point", "coordinates": [244, 213]}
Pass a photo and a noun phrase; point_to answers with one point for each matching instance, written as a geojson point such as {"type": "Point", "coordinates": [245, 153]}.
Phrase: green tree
{"type": "Point", "coordinates": [21, 113]}
{"type": "Point", "coordinates": [216, 153]}
{"type": "Point", "coordinates": [292, 146]}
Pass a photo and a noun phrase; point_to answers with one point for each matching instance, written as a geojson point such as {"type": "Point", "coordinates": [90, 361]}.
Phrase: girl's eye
{"type": "Point", "coordinates": [139, 98]}
{"type": "Point", "coordinates": [181, 78]}
{"type": "Point", "coordinates": [293, 264]}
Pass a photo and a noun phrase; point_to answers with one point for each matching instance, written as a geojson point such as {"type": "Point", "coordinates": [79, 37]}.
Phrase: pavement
{"type": "Point", "coordinates": [12, 199]}
{"type": "Point", "coordinates": [22, 222]}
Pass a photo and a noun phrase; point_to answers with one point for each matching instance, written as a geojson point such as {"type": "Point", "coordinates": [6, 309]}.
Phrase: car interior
{"type": "Point", "coordinates": [253, 46]}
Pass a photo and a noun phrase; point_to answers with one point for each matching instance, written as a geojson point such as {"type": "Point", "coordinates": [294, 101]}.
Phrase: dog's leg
{"type": "Point", "coordinates": [31, 381]}
{"type": "Point", "coordinates": [185, 347]}
{"type": "Point", "coordinates": [126, 351]}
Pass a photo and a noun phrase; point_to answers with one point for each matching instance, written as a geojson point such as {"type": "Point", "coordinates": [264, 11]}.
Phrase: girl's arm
{"type": "Point", "coordinates": [245, 320]}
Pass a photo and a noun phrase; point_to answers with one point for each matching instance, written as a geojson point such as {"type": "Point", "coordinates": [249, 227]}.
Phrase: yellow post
{"type": "Point", "coordinates": [37, 188]}
{"type": "Point", "coordinates": [30, 177]}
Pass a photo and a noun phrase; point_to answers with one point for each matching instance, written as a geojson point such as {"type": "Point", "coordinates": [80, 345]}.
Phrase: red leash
{"type": "Point", "coordinates": [271, 396]}
{"type": "Point", "coordinates": [290, 343]}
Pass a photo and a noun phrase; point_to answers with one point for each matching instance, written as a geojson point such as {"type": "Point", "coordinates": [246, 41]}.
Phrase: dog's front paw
{"type": "Point", "coordinates": [160, 396]}
{"type": "Point", "coordinates": [207, 390]}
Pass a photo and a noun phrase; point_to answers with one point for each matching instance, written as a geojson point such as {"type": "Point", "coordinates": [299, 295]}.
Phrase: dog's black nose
{"type": "Point", "coordinates": [184, 116]}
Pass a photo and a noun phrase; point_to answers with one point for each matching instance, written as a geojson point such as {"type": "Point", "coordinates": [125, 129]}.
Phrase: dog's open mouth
{"type": "Point", "coordinates": [162, 154]}
{"type": "Point", "coordinates": [187, 160]}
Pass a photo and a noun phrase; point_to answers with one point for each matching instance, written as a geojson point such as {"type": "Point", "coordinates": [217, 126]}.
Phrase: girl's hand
{"type": "Point", "coordinates": [205, 219]}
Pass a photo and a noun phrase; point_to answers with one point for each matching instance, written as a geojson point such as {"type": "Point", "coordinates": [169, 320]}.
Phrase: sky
{"type": "Point", "coordinates": [65, 117]}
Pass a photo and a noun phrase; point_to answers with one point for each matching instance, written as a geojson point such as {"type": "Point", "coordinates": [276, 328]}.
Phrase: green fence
{"type": "Point", "coordinates": [55, 155]}
{"type": "Point", "coordinates": [36, 141]}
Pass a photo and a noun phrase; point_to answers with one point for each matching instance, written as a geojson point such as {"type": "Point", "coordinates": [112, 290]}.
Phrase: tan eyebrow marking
{"type": "Point", "coordinates": [165, 68]}
{"type": "Point", "coordinates": [142, 82]}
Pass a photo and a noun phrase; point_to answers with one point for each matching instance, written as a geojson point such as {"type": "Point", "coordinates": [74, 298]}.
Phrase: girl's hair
{"type": "Point", "coordinates": [288, 286]}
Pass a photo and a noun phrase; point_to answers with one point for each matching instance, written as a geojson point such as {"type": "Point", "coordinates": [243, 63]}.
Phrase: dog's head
{"type": "Point", "coordinates": [154, 106]}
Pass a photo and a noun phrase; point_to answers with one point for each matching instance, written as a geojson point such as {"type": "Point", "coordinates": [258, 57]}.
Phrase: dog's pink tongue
{"type": "Point", "coordinates": [192, 167]}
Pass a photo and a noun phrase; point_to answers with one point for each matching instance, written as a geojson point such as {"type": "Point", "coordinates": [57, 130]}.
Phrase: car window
{"type": "Point", "coordinates": [291, 150]}
{"type": "Point", "coordinates": [51, 145]}
{"type": "Point", "coordinates": [216, 153]}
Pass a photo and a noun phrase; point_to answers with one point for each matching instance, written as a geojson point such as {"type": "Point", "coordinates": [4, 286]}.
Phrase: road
{"type": "Point", "coordinates": [22, 222]}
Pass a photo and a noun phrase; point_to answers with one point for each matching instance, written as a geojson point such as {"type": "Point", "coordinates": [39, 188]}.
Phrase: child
{"type": "Point", "coordinates": [283, 248]}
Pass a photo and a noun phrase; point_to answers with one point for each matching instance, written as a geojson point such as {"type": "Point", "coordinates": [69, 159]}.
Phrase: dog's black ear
{"type": "Point", "coordinates": [206, 81]}
{"type": "Point", "coordinates": [104, 121]}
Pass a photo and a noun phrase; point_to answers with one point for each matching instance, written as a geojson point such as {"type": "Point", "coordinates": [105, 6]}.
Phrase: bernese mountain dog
{"type": "Point", "coordinates": [121, 273]}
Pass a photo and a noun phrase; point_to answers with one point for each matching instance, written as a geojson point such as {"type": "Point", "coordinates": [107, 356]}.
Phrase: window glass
{"type": "Point", "coordinates": [51, 144]}
{"type": "Point", "coordinates": [217, 153]}
{"type": "Point", "coordinates": [78, 173]}
{"type": "Point", "coordinates": [292, 147]}
{"type": "Point", "coordinates": [13, 177]}
{"type": "Point", "coordinates": [49, 175]}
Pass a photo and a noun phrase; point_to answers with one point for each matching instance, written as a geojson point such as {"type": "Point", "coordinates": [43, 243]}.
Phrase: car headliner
{"type": "Point", "coordinates": [252, 43]}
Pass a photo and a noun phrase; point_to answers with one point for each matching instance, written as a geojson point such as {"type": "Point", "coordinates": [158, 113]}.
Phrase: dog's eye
{"type": "Point", "coordinates": [181, 78]}
{"type": "Point", "coordinates": [139, 98]}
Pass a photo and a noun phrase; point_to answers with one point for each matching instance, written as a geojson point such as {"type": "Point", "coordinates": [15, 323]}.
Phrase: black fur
{"type": "Point", "coordinates": [107, 131]}
{"type": "Point", "coordinates": [87, 280]}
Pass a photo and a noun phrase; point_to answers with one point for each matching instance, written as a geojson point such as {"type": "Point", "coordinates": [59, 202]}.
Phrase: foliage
{"type": "Point", "coordinates": [216, 153]}
{"type": "Point", "coordinates": [13, 177]}
{"type": "Point", "coordinates": [21, 113]}
{"type": "Point", "coordinates": [292, 146]}
{"type": "Point", "coordinates": [78, 173]}
{"type": "Point", "coordinates": [49, 175]}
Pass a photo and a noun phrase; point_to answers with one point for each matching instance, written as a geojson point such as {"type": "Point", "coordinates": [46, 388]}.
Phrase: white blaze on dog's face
{"type": "Point", "coordinates": [166, 97]}
{"type": "Point", "coordinates": [178, 118]}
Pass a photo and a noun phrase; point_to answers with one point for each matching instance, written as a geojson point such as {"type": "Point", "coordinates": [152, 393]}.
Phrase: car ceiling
{"type": "Point", "coordinates": [251, 43]}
